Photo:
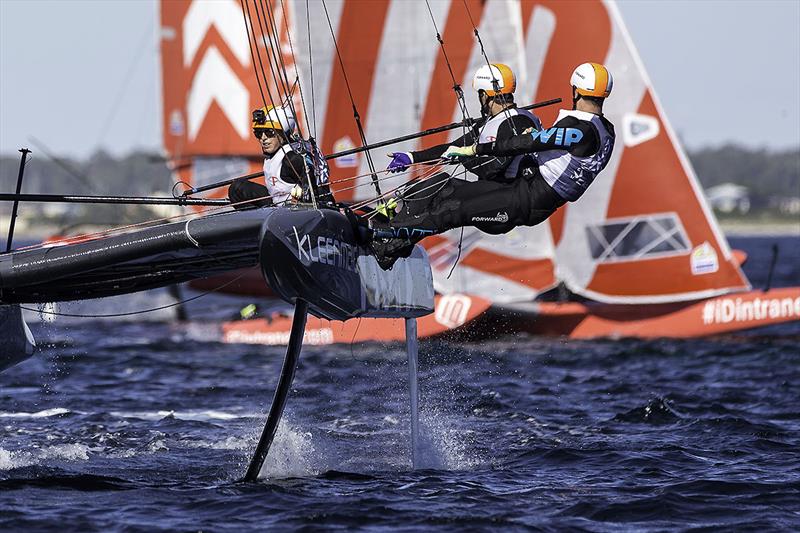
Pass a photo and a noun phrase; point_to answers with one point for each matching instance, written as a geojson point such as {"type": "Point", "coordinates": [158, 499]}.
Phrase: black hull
{"type": "Point", "coordinates": [310, 257]}
{"type": "Point", "coordinates": [315, 256]}
{"type": "Point", "coordinates": [133, 262]}
{"type": "Point", "coordinates": [303, 253]}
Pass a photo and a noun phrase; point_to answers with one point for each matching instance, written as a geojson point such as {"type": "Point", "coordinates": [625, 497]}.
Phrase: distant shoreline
{"type": "Point", "coordinates": [760, 229]}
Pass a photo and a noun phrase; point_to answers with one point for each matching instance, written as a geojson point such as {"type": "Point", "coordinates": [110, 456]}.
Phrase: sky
{"type": "Point", "coordinates": [76, 76]}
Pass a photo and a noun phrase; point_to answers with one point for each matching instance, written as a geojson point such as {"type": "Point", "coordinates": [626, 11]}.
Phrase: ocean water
{"type": "Point", "coordinates": [131, 426]}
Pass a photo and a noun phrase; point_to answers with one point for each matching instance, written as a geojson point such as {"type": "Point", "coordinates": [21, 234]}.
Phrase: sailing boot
{"type": "Point", "coordinates": [386, 246]}
{"type": "Point", "coordinates": [360, 226]}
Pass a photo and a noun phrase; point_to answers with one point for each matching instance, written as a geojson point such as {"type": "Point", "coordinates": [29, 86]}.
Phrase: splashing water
{"type": "Point", "coordinates": [292, 454]}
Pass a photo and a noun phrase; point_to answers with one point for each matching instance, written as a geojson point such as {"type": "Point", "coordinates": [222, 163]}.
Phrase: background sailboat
{"type": "Point", "coordinates": [639, 254]}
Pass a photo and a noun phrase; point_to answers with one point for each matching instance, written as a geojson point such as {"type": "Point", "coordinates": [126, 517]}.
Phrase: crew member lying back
{"type": "Point", "coordinates": [569, 156]}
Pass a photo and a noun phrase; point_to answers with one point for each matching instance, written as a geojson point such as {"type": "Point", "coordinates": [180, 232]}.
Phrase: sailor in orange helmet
{"type": "Point", "coordinates": [568, 156]}
{"type": "Point", "coordinates": [494, 85]}
{"type": "Point", "coordinates": [285, 171]}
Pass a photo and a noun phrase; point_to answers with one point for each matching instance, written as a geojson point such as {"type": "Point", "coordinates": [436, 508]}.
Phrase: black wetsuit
{"type": "Point", "coordinates": [489, 166]}
{"type": "Point", "coordinates": [440, 203]}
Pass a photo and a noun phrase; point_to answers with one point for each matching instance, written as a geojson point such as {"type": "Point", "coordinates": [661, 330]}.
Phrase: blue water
{"type": "Point", "coordinates": [132, 426]}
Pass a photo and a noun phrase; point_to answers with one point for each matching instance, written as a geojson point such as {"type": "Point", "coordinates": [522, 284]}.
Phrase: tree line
{"type": "Point", "coordinates": [767, 174]}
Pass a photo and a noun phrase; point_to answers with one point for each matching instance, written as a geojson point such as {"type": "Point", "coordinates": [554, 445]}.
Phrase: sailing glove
{"type": "Point", "coordinates": [388, 208]}
{"type": "Point", "coordinates": [459, 152]}
{"type": "Point", "coordinates": [296, 193]}
{"type": "Point", "coordinates": [400, 161]}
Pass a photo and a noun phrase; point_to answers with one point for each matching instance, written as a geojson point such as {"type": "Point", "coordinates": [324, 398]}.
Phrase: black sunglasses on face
{"type": "Point", "coordinates": [258, 132]}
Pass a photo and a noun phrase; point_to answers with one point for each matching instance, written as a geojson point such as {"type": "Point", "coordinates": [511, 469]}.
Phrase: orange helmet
{"type": "Point", "coordinates": [592, 79]}
{"type": "Point", "coordinates": [486, 77]}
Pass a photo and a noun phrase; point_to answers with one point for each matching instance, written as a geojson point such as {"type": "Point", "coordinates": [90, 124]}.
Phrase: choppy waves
{"type": "Point", "coordinates": [132, 425]}
{"type": "Point", "coordinates": [595, 435]}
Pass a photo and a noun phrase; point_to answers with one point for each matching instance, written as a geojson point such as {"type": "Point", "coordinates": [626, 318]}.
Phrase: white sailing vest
{"type": "Point", "coordinates": [488, 133]}
{"type": "Point", "coordinates": [278, 189]}
{"type": "Point", "coordinates": [570, 175]}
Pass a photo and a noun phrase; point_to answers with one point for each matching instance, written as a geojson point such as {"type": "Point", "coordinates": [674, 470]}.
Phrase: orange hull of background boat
{"type": "Point", "coordinates": [469, 316]}
{"type": "Point", "coordinates": [243, 282]}
{"type": "Point", "coordinates": [452, 312]}
{"type": "Point", "coordinates": [724, 314]}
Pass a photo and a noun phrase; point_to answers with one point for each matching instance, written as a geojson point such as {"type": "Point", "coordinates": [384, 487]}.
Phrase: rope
{"type": "Point", "coordinates": [277, 54]}
{"type": "Point", "coordinates": [275, 77]}
{"type": "Point", "coordinates": [268, 50]}
{"type": "Point", "coordinates": [254, 43]}
{"type": "Point", "coordinates": [250, 45]}
{"type": "Point", "coordinates": [277, 65]}
{"type": "Point", "coordinates": [294, 62]}
{"type": "Point", "coordinates": [311, 66]}
{"type": "Point", "coordinates": [456, 87]}
{"type": "Point", "coordinates": [206, 210]}
{"type": "Point", "coordinates": [433, 171]}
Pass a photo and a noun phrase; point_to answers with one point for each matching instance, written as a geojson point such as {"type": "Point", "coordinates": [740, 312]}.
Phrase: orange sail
{"type": "Point", "coordinates": [643, 232]}
{"type": "Point", "coordinates": [209, 85]}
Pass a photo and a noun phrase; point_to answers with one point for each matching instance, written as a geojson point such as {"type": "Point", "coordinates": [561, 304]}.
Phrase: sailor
{"type": "Point", "coordinates": [500, 119]}
{"type": "Point", "coordinates": [287, 172]}
{"type": "Point", "coordinates": [569, 156]}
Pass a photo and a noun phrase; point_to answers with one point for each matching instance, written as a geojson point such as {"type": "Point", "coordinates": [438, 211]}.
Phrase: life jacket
{"type": "Point", "coordinates": [571, 175]}
{"type": "Point", "coordinates": [315, 160]}
{"type": "Point", "coordinates": [278, 189]}
{"type": "Point", "coordinates": [488, 133]}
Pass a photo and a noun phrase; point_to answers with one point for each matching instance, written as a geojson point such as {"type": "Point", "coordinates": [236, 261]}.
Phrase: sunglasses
{"type": "Point", "coordinates": [258, 132]}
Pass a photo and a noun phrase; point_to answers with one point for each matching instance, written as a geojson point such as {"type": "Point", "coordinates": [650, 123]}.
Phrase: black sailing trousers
{"type": "Point", "coordinates": [441, 203]}
{"type": "Point", "coordinates": [242, 190]}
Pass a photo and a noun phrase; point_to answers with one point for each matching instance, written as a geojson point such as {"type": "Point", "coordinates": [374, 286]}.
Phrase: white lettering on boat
{"type": "Point", "coordinates": [326, 250]}
{"type": "Point", "coordinates": [726, 310]}
{"type": "Point", "coordinates": [313, 337]}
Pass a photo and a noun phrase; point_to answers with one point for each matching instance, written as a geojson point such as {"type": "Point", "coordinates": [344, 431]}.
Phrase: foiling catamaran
{"type": "Point", "coordinates": [312, 255]}
{"type": "Point", "coordinates": [640, 254]}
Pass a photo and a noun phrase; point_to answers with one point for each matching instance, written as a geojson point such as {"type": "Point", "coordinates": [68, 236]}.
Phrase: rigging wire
{"type": "Point", "coordinates": [313, 153]}
{"type": "Point", "coordinates": [254, 44]}
{"type": "Point", "coordinates": [426, 175]}
{"type": "Point", "coordinates": [228, 208]}
{"type": "Point", "coordinates": [458, 254]}
{"type": "Point", "coordinates": [263, 70]}
{"type": "Point", "coordinates": [120, 230]}
{"type": "Point", "coordinates": [389, 193]}
{"type": "Point", "coordinates": [132, 69]}
{"type": "Point", "coordinates": [296, 71]}
{"type": "Point", "coordinates": [275, 55]}
{"type": "Point", "coordinates": [140, 312]}
{"type": "Point", "coordinates": [353, 102]}
{"type": "Point", "coordinates": [248, 24]}
{"type": "Point", "coordinates": [460, 241]}
{"type": "Point", "coordinates": [495, 81]}
{"type": "Point", "coordinates": [462, 104]}
{"type": "Point", "coordinates": [258, 7]}
{"type": "Point", "coordinates": [456, 86]}
{"type": "Point", "coordinates": [278, 50]}
{"type": "Point", "coordinates": [311, 67]}
{"type": "Point", "coordinates": [67, 167]}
